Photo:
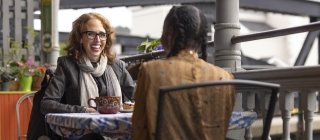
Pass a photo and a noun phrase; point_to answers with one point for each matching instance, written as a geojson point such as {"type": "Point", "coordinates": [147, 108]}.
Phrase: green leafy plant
{"type": "Point", "coordinates": [149, 46]}
{"type": "Point", "coordinates": [6, 74]}
{"type": "Point", "coordinates": [15, 48]}
{"type": "Point", "coordinates": [62, 49]}
{"type": "Point", "coordinates": [17, 45]}
{"type": "Point", "coordinates": [25, 67]}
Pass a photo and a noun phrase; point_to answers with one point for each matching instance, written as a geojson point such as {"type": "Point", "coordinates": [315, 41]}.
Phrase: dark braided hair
{"type": "Point", "coordinates": [188, 27]}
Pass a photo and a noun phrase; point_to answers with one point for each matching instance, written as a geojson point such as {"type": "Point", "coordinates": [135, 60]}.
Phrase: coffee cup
{"type": "Point", "coordinates": [106, 104]}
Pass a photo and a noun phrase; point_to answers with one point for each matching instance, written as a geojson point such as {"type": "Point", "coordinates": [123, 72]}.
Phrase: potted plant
{"type": "Point", "coordinates": [37, 77]}
{"type": "Point", "coordinates": [5, 77]}
{"type": "Point", "coordinates": [25, 69]}
{"type": "Point", "coordinates": [149, 46]}
{"type": "Point", "coordinates": [145, 47]}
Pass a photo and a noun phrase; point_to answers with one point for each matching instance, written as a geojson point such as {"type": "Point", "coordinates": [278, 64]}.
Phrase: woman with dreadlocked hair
{"type": "Point", "coordinates": [183, 38]}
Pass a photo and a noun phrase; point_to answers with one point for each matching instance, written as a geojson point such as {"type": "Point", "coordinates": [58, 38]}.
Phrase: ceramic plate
{"type": "Point", "coordinates": [126, 111]}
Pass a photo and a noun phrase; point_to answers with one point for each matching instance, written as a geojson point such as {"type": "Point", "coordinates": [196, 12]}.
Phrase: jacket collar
{"type": "Point", "coordinates": [187, 55]}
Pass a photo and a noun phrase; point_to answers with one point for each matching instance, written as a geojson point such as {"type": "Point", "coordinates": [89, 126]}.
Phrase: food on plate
{"type": "Point", "coordinates": [128, 106]}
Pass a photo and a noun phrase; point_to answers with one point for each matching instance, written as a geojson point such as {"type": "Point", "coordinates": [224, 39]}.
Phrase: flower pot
{"type": "Point", "coordinates": [36, 82]}
{"type": "Point", "coordinates": [25, 83]}
{"type": "Point", "coordinates": [5, 86]}
{"type": "Point", "coordinates": [14, 85]}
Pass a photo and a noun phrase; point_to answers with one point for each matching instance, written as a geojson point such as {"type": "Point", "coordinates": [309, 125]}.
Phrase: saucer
{"type": "Point", "coordinates": [126, 111]}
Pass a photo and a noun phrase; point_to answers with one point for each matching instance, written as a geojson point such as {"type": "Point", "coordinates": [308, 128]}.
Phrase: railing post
{"type": "Point", "coordinates": [5, 13]}
{"type": "Point", "coordinates": [30, 18]}
{"type": "Point", "coordinates": [227, 55]}
{"type": "Point", "coordinates": [309, 105]}
{"type": "Point", "coordinates": [286, 104]}
{"type": "Point", "coordinates": [264, 104]}
{"type": "Point", "coordinates": [248, 105]}
{"type": "Point", "coordinates": [55, 52]}
{"type": "Point", "coordinates": [301, 123]}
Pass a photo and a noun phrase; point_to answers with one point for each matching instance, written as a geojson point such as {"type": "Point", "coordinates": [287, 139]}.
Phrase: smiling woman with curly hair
{"type": "Point", "coordinates": [90, 69]}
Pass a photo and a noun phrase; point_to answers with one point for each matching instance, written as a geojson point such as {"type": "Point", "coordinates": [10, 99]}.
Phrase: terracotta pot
{"type": "Point", "coordinates": [36, 82]}
{"type": "Point", "coordinates": [14, 85]}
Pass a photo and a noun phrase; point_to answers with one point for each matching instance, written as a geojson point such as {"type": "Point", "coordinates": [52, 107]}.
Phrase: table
{"type": "Point", "coordinates": [75, 125]}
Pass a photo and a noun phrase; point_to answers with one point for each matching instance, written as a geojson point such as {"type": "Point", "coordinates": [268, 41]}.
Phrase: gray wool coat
{"type": "Point", "coordinates": [63, 92]}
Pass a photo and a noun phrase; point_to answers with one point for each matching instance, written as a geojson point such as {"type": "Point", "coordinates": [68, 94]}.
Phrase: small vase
{"type": "Point", "coordinates": [14, 85]}
{"type": "Point", "coordinates": [5, 86]}
{"type": "Point", "coordinates": [36, 82]}
{"type": "Point", "coordinates": [25, 83]}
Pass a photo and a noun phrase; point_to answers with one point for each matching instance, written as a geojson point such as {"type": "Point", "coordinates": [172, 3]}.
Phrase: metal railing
{"type": "Point", "coordinates": [303, 80]}
{"type": "Point", "coordinates": [143, 57]}
{"type": "Point", "coordinates": [275, 33]}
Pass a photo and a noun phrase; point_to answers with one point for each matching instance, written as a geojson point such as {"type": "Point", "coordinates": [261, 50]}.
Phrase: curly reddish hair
{"type": "Point", "coordinates": [74, 48]}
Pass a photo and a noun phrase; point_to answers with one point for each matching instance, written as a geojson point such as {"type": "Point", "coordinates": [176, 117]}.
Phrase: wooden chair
{"type": "Point", "coordinates": [167, 104]}
{"type": "Point", "coordinates": [26, 97]}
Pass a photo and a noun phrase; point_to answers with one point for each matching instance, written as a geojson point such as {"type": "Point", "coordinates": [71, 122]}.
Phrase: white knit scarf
{"type": "Point", "coordinates": [88, 86]}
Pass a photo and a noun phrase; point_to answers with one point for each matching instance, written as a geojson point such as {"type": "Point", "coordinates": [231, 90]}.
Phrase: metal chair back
{"type": "Point", "coordinates": [26, 97]}
{"type": "Point", "coordinates": [239, 85]}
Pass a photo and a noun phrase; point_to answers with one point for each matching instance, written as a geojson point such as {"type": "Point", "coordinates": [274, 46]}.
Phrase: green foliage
{"type": "Point", "coordinates": [148, 46]}
{"type": "Point", "coordinates": [15, 48]}
{"type": "Point", "coordinates": [62, 49]}
{"type": "Point", "coordinates": [32, 34]}
{"type": "Point", "coordinates": [26, 67]}
{"type": "Point", "coordinates": [6, 74]}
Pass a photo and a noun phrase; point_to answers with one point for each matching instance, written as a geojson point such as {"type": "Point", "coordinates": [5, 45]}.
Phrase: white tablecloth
{"type": "Point", "coordinates": [75, 125]}
{"type": "Point", "coordinates": [241, 120]}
